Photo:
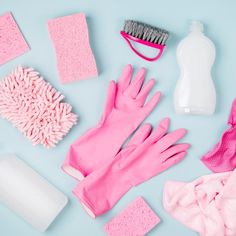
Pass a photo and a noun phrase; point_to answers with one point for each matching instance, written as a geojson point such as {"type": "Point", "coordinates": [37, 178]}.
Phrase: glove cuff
{"type": "Point", "coordinates": [100, 196]}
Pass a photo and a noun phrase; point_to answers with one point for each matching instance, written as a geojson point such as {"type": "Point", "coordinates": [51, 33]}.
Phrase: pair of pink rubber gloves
{"type": "Point", "coordinates": [223, 155]}
{"type": "Point", "coordinates": [109, 170]}
{"type": "Point", "coordinates": [206, 205]}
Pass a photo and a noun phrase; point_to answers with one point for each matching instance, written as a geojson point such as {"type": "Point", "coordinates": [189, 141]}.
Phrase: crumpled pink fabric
{"type": "Point", "coordinates": [125, 109]}
{"type": "Point", "coordinates": [206, 205]}
{"type": "Point", "coordinates": [34, 107]}
{"type": "Point", "coordinates": [145, 156]}
{"type": "Point", "coordinates": [223, 156]}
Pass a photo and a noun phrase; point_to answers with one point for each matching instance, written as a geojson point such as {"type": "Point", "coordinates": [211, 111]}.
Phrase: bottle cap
{"type": "Point", "coordinates": [196, 26]}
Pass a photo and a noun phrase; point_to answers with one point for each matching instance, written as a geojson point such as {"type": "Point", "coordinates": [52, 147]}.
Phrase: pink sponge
{"type": "Point", "coordinates": [12, 42]}
{"type": "Point", "coordinates": [70, 38]}
{"type": "Point", "coordinates": [35, 107]}
{"type": "Point", "coordinates": [136, 220]}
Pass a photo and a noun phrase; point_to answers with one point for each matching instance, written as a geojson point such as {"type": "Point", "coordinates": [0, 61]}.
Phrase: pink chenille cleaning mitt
{"type": "Point", "coordinates": [223, 156]}
{"type": "Point", "coordinates": [12, 42]}
{"type": "Point", "coordinates": [70, 38]}
{"type": "Point", "coordinates": [34, 107]}
{"type": "Point", "coordinates": [206, 205]}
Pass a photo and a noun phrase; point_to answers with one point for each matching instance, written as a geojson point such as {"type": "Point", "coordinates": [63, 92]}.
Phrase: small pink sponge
{"type": "Point", "coordinates": [34, 107]}
{"type": "Point", "coordinates": [12, 42]}
{"type": "Point", "coordinates": [75, 59]}
{"type": "Point", "coordinates": [136, 220]}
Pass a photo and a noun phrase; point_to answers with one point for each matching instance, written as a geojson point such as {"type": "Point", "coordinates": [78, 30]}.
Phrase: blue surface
{"type": "Point", "coordinates": [105, 19]}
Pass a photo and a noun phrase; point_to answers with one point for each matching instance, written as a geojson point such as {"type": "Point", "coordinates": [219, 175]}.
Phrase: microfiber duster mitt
{"type": "Point", "coordinates": [34, 107]}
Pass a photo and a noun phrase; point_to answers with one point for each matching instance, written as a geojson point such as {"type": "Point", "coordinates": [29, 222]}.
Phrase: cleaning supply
{"type": "Point", "coordinates": [125, 109]}
{"type": "Point", "coordinates": [222, 157]}
{"type": "Point", "coordinates": [195, 91]}
{"type": "Point", "coordinates": [34, 107]}
{"type": "Point", "coordinates": [207, 205]}
{"type": "Point", "coordinates": [145, 156]}
{"type": "Point", "coordinates": [70, 38]}
{"type": "Point", "coordinates": [141, 33]}
{"type": "Point", "coordinates": [137, 219]}
{"type": "Point", "coordinates": [12, 42]}
{"type": "Point", "coordinates": [29, 195]}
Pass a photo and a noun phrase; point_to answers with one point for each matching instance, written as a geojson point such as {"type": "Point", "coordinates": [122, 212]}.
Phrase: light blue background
{"type": "Point", "coordinates": [105, 18]}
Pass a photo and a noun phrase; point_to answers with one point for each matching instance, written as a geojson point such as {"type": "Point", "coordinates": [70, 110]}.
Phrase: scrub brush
{"type": "Point", "coordinates": [145, 34]}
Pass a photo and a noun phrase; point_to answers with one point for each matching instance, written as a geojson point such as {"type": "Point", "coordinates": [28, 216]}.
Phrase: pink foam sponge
{"type": "Point", "coordinates": [12, 42]}
{"type": "Point", "coordinates": [136, 220]}
{"type": "Point", "coordinates": [35, 107]}
{"type": "Point", "coordinates": [75, 59]}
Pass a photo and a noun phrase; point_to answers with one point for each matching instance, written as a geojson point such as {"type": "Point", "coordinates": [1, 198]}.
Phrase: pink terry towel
{"type": "Point", "coordinates": [223, 155]}
{"type": "Point", "coordinates": [34, 107]}
{"type": "Point", "coordinates": [136, 220]}
{"type": "Point", "coordinates": [12, 42]}
{"type": "Point", "coordinates": [206, 205]}
{"type": "Point", "coordinates": [75, 59]}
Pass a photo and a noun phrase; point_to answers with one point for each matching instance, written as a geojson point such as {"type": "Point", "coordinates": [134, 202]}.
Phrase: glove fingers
{"type": "Point", "coordinates": [142, 96]}
{"type": "Point", "coordinates": [111, 95]}
{"type": "Point", "coordinates": [136, 84]}
{"type": "Point", "coordinates": [152, 103]}
{"type": "Point", "coordinates": [169, 140]}
{"type": "Point", "coordinates": [174, 159]}
{"type": "Point", "coordinates": [125, 78]}
{"type": "Point", "coordinates": [172, 151]}
{"type": "Point", "coordinates": [140, 135]}
{"type": "Point", "coordinates": [160, 131]}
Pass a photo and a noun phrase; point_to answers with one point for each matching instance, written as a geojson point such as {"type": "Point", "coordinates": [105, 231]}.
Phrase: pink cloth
{"type": "Point", "coordinates": [75, 59]}
{"type": "Point", "coordinates": [137, 220]}
{"type": "Point", "coordinates": [34, 107]}
{"type": "Point", "coordinates": [124, 111]}
{"type": "Point", "coordinates": [12, 42]}
{"type": "Point", "coordinates": [223, 156]}
{"type": "Point", "coordinates": [146, 155]}
{"type": "Point", "coordinates": [206, 205]}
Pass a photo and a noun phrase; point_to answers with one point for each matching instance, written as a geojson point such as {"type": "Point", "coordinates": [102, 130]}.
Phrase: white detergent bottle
{"type": "Point", "coordinates": [195, 91]}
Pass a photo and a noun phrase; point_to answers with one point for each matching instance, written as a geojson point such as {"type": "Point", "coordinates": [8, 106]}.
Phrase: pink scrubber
{"type": "Point", "coordinates": [12, 42]}
{"type": "Point", "coordinates": [136, 220]}
{"type": "Point", "coordinates": [35, 107]}
{"type": "Point", "coordinates": [75, 59]}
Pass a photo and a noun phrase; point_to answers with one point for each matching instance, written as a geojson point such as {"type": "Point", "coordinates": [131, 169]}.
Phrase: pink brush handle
{"type": "Point", "coordinates": [149, 44]}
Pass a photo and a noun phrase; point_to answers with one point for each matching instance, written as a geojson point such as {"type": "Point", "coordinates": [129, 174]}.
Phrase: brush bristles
{"type": "Point", "coordinates": [146, 32]}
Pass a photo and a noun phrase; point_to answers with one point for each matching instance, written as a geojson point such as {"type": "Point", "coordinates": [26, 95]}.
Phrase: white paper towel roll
{"type": "Point", "coordinates": [28, 194]}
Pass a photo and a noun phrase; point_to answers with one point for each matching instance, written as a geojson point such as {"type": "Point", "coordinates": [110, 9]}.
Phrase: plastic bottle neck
{"type": "Point", "coordinates": [196, 27]}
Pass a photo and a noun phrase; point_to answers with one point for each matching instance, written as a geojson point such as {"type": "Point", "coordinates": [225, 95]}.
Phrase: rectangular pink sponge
{"type": "Point", "coordinates": [75, 59]}
{"type": "Point", "coordinates": [136, 220]}
{"type": "Point", "coordinates": [12, 42]}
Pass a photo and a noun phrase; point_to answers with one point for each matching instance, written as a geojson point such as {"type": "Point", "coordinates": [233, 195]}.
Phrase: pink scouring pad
{"type": "Point", "coordinates": [12, 42]}
{"type": "Point", "coordinates": [34, 107]}
{"type": "Point", "coordinates": [136, 220]}
{"type": "Point", "coordinates": [75, 59]}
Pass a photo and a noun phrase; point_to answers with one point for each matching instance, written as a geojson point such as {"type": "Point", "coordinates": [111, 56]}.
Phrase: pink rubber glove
{"type": "Point", "coordinates": [145, 156]}
{"type": "Point", "coordinates": [206, 205]}
{"type": "Point", "coordinates": [223, 156]}
{"type": "Point", "coordinates": [125, 109]}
